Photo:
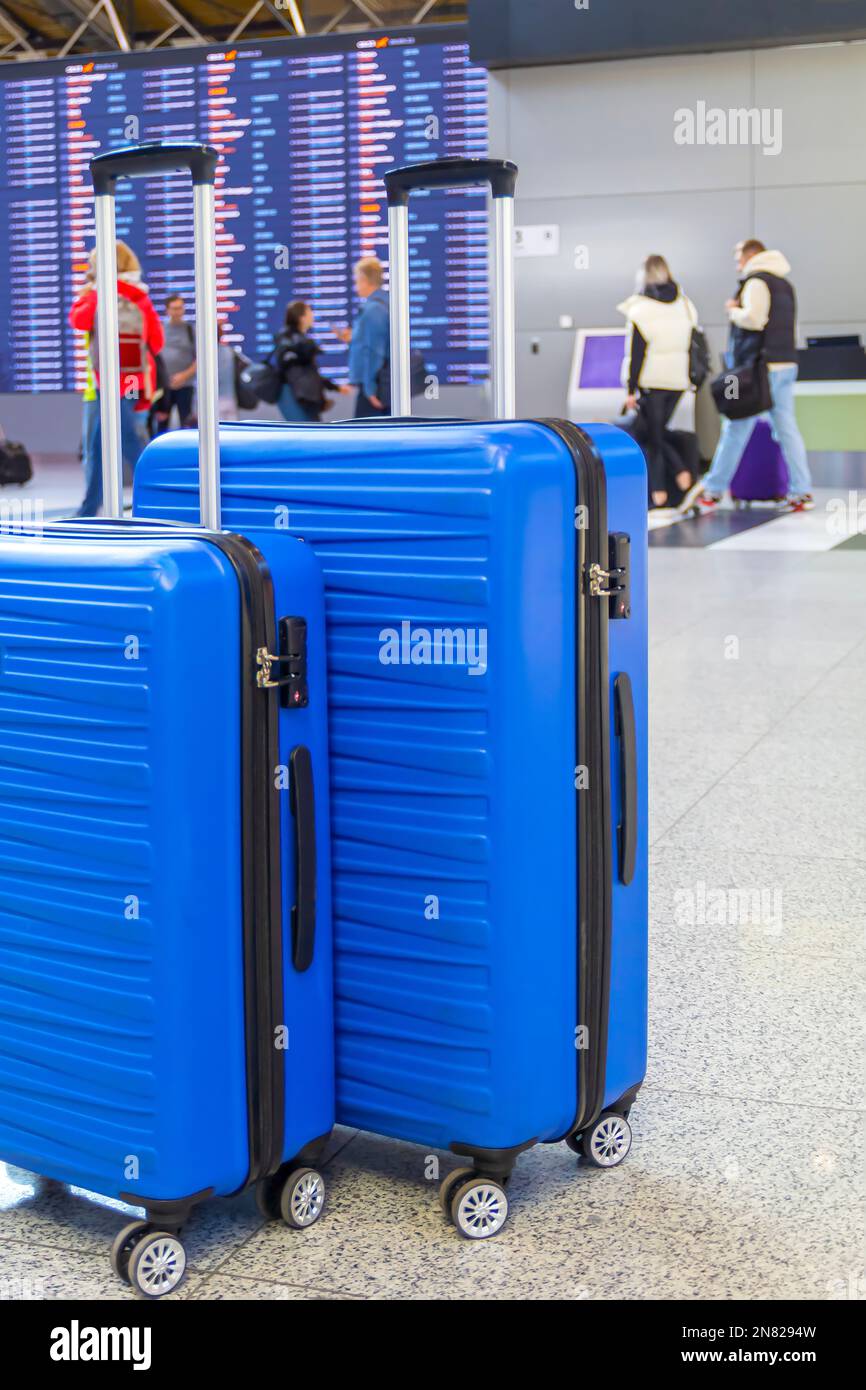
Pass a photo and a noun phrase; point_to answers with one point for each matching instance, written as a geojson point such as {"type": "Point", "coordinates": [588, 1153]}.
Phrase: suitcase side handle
{"type": "Point", "coordinates": [141, 161]}
{"type": "Point", "coordinates": [501, 175]}
{"type": "Point", "coordinates": [626, 731]}
{"type": "Point", "coordinates": [303, 807]}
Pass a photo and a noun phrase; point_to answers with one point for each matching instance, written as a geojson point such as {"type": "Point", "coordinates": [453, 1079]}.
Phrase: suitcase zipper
{"type": "Point", "coordinates": [595, 578]}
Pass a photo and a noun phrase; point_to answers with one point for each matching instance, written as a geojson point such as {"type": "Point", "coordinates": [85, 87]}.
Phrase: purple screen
{"type": "Point", "coordinates": [602, 361]}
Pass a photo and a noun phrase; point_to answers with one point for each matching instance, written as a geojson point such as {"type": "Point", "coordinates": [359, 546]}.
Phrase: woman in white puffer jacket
{"type": "Point", "coordinates": [661, 318]}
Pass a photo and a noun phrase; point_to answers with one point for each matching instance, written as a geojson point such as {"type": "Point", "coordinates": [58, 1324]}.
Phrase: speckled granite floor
{"type": "Point", "coordinates": [746, 1178]}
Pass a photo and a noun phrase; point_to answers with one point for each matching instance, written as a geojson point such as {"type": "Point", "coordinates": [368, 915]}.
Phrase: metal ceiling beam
{"type": "Point", "coordinates": [102, 7]}
{"type": "Point", "coordinates": [336, 19]}
{"type": "Point", "coordinates": [19, 39]}
{"type": "Point", "coordinates": [101, 17]}
{"type": "Point", "coordinates": [180, 21]}
{"type": "Point", "coordinates": [374, 16]}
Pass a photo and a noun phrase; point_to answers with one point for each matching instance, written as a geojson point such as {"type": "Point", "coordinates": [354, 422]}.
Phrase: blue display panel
{"type": "Point", "coordinates": [305, 130]}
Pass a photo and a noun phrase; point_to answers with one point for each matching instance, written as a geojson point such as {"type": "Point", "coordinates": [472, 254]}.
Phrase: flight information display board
{"type": "Point", "coordinates": [305, 131]}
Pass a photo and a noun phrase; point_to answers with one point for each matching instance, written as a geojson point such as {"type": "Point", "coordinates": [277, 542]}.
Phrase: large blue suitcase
{"type": "Point", "coordinates": [487, 645]}
{"type": "Point", "coordinates": [166, 991]}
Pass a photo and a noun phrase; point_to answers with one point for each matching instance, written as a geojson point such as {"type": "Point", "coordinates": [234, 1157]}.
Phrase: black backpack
{"type": "Point", "coordinates": [15, 465]}
{"type": "Point", "coordinates": [742, 392]}
{"type": "Point", "coordinates": [417, 378]}
{"type": "Point", "coordinates": [699, 358]}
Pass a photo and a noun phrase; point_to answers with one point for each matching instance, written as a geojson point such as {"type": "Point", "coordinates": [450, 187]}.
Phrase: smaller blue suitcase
{"type": "Point", "coordinates": [166, 1014]}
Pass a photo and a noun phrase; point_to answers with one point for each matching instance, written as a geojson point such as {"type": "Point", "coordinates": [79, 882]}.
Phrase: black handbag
{"type": "Point", "coordinates": [263, 380]}
{"type": "Point", "coordinates": [244, 393]}
{"type": "Point", "coordinates": [699, 358]}
{"type": "Point", "coordinates": [743, 392]}
{"type": "Point", "coordinates": [417, 378]}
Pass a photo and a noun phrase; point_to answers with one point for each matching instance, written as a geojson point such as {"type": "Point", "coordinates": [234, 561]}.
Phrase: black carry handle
{"type": "Point", "coordinates": [154, 157]}
{"type": "Point", "coordinates": [303, 804]}
{"type": "Point", "coordinates": [627, 734]}
{"type": "Point", "coordinates": [450, 173]}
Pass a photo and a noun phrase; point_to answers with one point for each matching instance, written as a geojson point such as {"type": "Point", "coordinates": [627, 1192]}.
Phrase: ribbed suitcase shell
{"type": "Point", "coordinates": [453, 794]}
{"type": "Point", "coordinates": [123, 1036]}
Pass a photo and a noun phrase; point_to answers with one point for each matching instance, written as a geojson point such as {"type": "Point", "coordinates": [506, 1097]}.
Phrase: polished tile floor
{"type": "Point", "coordinates": [746, 1178]}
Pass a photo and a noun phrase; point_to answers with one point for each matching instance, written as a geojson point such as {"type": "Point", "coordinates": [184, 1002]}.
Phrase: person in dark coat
{"type": "Point", "coordinates": [305, 391]}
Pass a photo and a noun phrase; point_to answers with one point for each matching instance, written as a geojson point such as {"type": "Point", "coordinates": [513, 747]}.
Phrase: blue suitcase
{"type": "Point", "coordinates": [487, 646]}
{"type": "Point", "coordinates": [166, 988]}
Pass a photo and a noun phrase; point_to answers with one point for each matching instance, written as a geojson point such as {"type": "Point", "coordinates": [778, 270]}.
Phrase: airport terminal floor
{"type": "Point", "coordinates": [744, 1180]}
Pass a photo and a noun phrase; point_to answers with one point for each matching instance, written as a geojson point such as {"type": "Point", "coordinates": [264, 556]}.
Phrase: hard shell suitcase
{"type": "Point", "coordinates": [487, 645]}
{"type": "Point", "coordinates": [166, 1021]}
{"type": "Point", "coordinates": [762, 474]}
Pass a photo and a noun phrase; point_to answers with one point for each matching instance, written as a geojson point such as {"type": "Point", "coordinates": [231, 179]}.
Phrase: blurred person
{"type": "Point", "coordinates": [763, 321]}
{"type": "Point", "coordinates": [369, 339]}
{"type": "Point", "coordinates": [304, 391]}
{"type": "Point", "coordinates": [141, 338]}
{"type": "Point", "coordinates": [227, 369]}
{"type": "Point", "coordinates": [661, 319]}
{"type": "Point", "coordinates": [178, 356]}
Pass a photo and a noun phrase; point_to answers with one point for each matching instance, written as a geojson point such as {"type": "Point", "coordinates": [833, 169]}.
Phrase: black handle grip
{"type": "Point", "coordinates": [303, 803]}
{"type": "Point", "coordinates": [454, 172]}
{"type": "Point", "coordinates": [627, 733]}
{"type": "Point", "coordinates": [154, 157]}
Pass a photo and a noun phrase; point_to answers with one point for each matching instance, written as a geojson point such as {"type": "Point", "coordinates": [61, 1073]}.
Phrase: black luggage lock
{"type": "Point", "coordinates": [290, 664]}
{"type": "Point", "coordinates": [614, 583]}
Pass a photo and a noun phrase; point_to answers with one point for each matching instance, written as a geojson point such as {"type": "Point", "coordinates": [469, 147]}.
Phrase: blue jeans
{"type": "Point", "coordinates": [131, 445]}
{"type": "Point", "coordinates": [289, 408]}
{"type": "Point", "coordinates": [736, 433]}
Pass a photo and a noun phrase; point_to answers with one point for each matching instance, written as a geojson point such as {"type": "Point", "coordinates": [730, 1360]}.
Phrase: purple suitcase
{"type": "Point", "coordinates": [762, 475]}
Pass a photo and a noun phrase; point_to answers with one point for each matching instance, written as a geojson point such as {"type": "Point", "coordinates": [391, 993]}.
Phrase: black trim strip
{"type": "Point", "coordinates": [594, 830]}
{"type": "Point", "coordinates": [261, 856]}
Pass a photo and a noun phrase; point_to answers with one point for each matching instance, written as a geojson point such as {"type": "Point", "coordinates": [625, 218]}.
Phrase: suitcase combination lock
{"type": "Point", "coordinates": [614, 582]}
{"type": "Point", "coordinates": [286, 670]}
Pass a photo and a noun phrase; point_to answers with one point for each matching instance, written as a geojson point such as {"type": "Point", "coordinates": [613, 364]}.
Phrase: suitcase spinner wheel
{"type": "Point", "coordinates": [152, 1261]}
{"type": "Point", "coordinates": [294, 1195]}
{"type": "Point", "coordinates": [475, 1204]}
{"type": "Point", "coordinates": [606, 1143]}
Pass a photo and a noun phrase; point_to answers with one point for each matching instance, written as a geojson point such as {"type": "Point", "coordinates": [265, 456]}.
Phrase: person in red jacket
{"type": "Point", "coordinates": [141, 338]}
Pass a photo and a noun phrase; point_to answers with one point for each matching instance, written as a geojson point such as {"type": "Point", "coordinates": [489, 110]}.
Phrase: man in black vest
{"type": "Point", "coordinates": [763, 320]}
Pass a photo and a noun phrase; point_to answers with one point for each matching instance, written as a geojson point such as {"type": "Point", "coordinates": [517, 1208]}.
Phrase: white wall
{"type": "Point", "coordinates": [595, 147]}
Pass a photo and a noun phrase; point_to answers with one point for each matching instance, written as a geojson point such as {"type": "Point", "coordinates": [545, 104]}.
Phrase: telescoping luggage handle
{"type": "Point", "coordinates": [142, 161]}
{"type": "Point", "coordinates": [500, 174]}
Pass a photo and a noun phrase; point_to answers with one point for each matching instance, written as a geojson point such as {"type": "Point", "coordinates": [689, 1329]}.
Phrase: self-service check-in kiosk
{"type": "Point", "coordinates": [596, 387]}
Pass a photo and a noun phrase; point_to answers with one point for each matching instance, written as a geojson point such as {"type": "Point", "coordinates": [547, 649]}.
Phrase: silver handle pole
{"type": "Point", "coordinates": [206, 354]}
{"type": "Point", "coordinates": [398, 254]}
{"type": "Point", "coordinates": [108, 334]}
{"type": "Point", "coordinates": [502, 310]}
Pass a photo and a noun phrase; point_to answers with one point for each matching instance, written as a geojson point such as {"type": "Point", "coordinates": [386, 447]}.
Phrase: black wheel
{"type": "Point", "coordinates": [268, 1191]}
{"type": "Point", "coordinates": [479, 1208]}
{"type": "Point", "coordinates": [302, 1198]}
{"type": "Point", "coordinates": [449, 1186]}
{"type": "Point", "coordinates": [608, 1141]}
{"type": "Point", "coordinates": [123, 1245]}
{"type": "Point", "coordinates": [157, 1264]}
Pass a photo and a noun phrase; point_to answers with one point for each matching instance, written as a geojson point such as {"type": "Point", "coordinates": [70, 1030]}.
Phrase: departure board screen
{"type": "Point", "coordinates": [305, 130]}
